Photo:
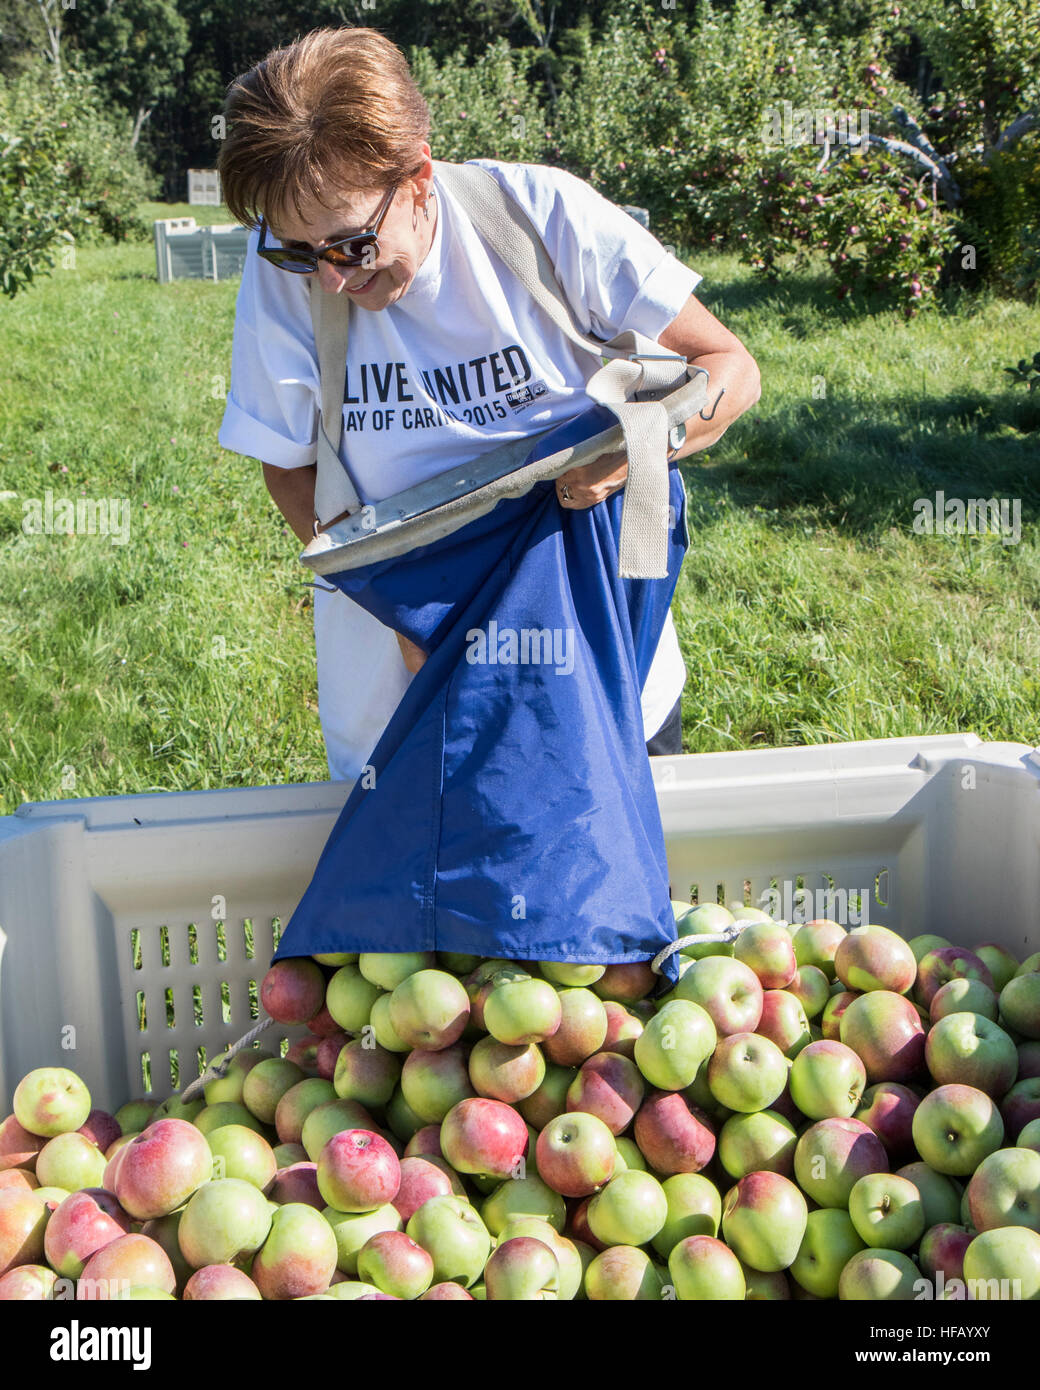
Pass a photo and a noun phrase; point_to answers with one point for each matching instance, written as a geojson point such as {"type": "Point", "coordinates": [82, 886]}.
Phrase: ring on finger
{"type": "Point", "coordinates": [565, 493]}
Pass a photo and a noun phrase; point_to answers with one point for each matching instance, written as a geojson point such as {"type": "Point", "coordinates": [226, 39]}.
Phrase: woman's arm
{"type": "Point", "coordinates": [292, 491]}
{"type": "Point", "coordinates": [696, 334]}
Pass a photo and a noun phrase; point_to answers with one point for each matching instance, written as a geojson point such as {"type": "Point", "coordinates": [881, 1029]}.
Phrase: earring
{"type": "Point", "coordinates": [426, 209]}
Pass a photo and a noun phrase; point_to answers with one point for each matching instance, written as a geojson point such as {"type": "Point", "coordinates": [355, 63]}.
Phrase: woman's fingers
{"type": "Point", "coordinates": [414, 657]}
{"type": "Point", "coordinates": [584, 487]}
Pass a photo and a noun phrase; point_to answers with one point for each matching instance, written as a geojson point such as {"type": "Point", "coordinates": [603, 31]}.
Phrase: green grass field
{"type": "Point", "coordinates": [808, 609]}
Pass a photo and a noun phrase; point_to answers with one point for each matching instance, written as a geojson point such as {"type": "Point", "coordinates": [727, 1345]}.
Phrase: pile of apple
{"type": "Point", "coordinates": [810, 1113]}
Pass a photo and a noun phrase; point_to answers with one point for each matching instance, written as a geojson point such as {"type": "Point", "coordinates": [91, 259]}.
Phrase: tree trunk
{"type": "Point", "coordinates": [143, 112]}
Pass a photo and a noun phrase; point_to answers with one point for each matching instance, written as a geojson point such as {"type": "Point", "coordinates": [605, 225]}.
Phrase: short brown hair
{"type": "Point", "coordinates": [336, 112]}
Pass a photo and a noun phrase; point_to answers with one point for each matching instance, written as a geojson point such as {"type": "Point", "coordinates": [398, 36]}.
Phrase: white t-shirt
{"type": "Point", "coordinates": [464, 361]}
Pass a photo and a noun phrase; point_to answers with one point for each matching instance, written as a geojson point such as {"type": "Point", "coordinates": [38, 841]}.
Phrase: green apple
{"type": "Point", "coordinates": [623, 1274]}
{"type": "Point", "coordinates": [51, 1101]}
{"type": "Point", "coordinates": [522, 1269]}
{"type": "Point", "coordinates": [827, 1079]}
{"type": "Point", "coordinates": [887, 1211]}
{"type": "Point", "coordinates": [747, 1072]}
{"type": "Point", "coordinates": [571, 1260]}
{"type": "Point", "coordinates": [550, 1098]}
{"type": "Point", "coordinates": [71, 1161]}
{"type": "Point", "coordinates": [955, 1127]}
{"type": "Point", "coordinates": [704, 1270]}
{"type": "Point", "coordinates": [562, 973]}
{"type": "Point", "coordinates": [1029, 1138]}
{"type": "Point", "coordinates": [873, 957]}
{"type": "Point", "coordinates": [450, 1230]}
{"type": "Point", "coordinates": [811, 988]}
{"type": "Point", "coordinates": [396, 1264]}
{"type": "Point", "coordinates": [940, 1194]}
{"type": "Point", "coordinates": [707, 920]}
{"type": "Point", "coordinates": [353, 1229]}
{"type": "Point", "coordinates": [694, 1209]}
{"type": "Point", "coordinates": [971, 1050]}
{"type": "Point", "coordinates": [927, 942]}
{"type": "Point", "coordinates": [527, 1196]}
{"type": "Point", "coordinates": [239, 1152]}
{"type": "Point", "coordinates": [879, 1276]}
{"type": "Point", "coordinates": [763, 1221]}
{"type": "Point", "coordinates": [519, 1012]}
{"type": "Point", "coordinates": [761, 1142]}
{"type": "Point", "coordinates": [349, 998]}
{"type": "Point", "coordinates": [629, 1155]}
{"type": "Point", "coordinates": [630, 1210]}
{"type": "Point", "coordinates": [391, 969]}
{"type": "Point", "coordinates": [299, 1255]}
{"type": "Point", "coordinates": [224, 1221]}
{"type": "Point", "coordinates": [429, 1009]}
{"type": "Point", "coordinates": [383, 1029]}
{"type": "Point", "coordinates": [674, 1043]}
{"type": "Point", "coordinates": [815, 943]}
{"type": "Point", "coordinates": [1004, 1264]}
{"type": "Point", "coordinates": [263, 1088]}
{"type": "Point", "coordinates": [962, 995]}
{"type": "Point", "coordinates": [728, 990]}
{"type": "Point", "coordinates": [1005, 1190]}
{"type": "Point", "coordinates": [1020, 1004]}
{"type": "Point", "coordinates": [829, 1242]}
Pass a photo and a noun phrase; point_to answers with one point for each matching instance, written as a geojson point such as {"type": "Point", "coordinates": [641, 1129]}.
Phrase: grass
{"type": "Point", "coordinates": [808, 609]}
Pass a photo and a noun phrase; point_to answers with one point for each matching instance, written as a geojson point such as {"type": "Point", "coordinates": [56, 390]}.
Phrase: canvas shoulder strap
{"type": "Point", "coordinates": [634, 365]}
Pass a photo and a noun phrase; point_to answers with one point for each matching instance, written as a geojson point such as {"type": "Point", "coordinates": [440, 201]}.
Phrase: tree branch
{"type": "Point", "coordinates": [1012, 133]}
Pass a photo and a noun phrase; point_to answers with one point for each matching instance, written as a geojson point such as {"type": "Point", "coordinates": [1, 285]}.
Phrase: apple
{"type": "Point", "coordinates": [962, 995]}
{"type": "Point", "coordinates": [224, 1221]}
{"type": "Point", "coordinates": [1020, 1106]}
{"type": "Point", "coordinates": [451, 1231]}
{"type": "Point", "coordinates": [629, 1154]}
{"type": "Point", "coordinates": [366, 1072]}
{"type": "Point", "coordinates": [572, 1261]}
{"type": "Point", "coordinates": [816, 942]}
{"type": "Point", "coordinates": [871, 958]}
{"type": "Point", "coordinates": [673, 1135]}
{"type": "Point", "coordinates": [349, 998]}
{"type": "Point", "coordinates": [833, 1010]}
{"type": "Point", "coordinates": [582, 1029]}
{"type": "Point", "coordinates": [765, 1288]}
{"type": "Point", "coordinates": [626, 983]}
{"type": "Point", "coordinates": [481, 981]}
{"type": "Point", "coordinates": [1030, 965]}
{"type": "Point", "coordinates": [266, 1083]}
{"type": "Point", "coordinates": [135, 1115]}
{"type": "Point", "coordinates": [759, 1142]}
{"type": "Point", "coordinates": [225, 1112]}
{"type": "Point", "coordinates": [388, 970]}
{"type": "Point", "coordinates": [526, 1196]}
{"type": "Point", "coordinates": [623, 1028]}
{"type": "Point", "coordinates": [382, 1029]}
{"type": "Point", "coordinates": [358, 1171]}
{"type": "Point", "coordinates": [482, 1136]}
{"type": "Point", "coordinates": [522, 1011]}
{"type": "Point", "coordinates": [297, 1182]}
{"type": "Point", "coordinates": [928, 941]}
{"type": "Point", "coordinates": [887, 1211]}
{"type": "Point", "coordinates": [827, 1079]}
{"type": "Point", "coordinates": [630, 1210]}
{"type": "Point", "coordinates": [23, 1221]}
{"type": "Point", "coordinates": [434, 1081]}
{"type": "Point", "coordinates": [241, 1153]}
{"type": "Point", "coordinates": [507, 1073]}
{"type": "Point", "coordinates": [293, 990]}
{"type": "Point", "coordinates": [297, 1103]}
{"type": "Point", "coordinates": [28, 1284]}
{"type": "Point", "coordinates": [354, 1229]}
{"type": "Point", "coordinates": [128, 1262]}
{"type": "Point", "coordinates": [608, 1086]}
{"type": "Point", "coordinates": [727, 989]}
{"type": "Point", "coordinates": [694, 1209]}
{"type": "Point", "coordinates": [886, 1031]}
{"type": "Point", "coordinates": [1029, 1138]}
{"type": "Point", "coordinates": [948, 963]}
{"type": "Point", "coordinates": [675, 1042]}
{"type": "Point", "coordinates": [18, 1177]}
{"type": "Point", "coordinates": [18, 1148]}
{"type": "Point", "coordinates": [522, 1269]}
{"type": "Point", "coordinates": [955, 1127]}
{"type": "Point", "coordinates": [971, 1049]}
{"type": "Point", "coordinates": [769, 951]}
{"type": "Point", "coordinates": [71, 1161]}
{"type": "Point", "coordinates": [396, 1264]}
{"type": "Point", "coordinates": [220, 1283]}
{"type": "Point", "coordinates": [550, 1099]}
{"type": "Point", "coordinates": [1020, 1004]}
{"type": "Point", "coordinates": [830, 1157]}
{"type": "Point", "coordinates": [402, 1123]}
{"type": "Point", "coordinates": [942, 1248]}
{"type": "Point", "coordinates": [784, 1022]}
{"type": "Point", "coordinates": [1028, 1066]}
{"type": "Point", "coordinates": [563, 973]}
{"type": "Point", "coordinates": [51, 1101]}
{"type": "Point", "coordinates": [446, 1292]}
{"type": "Point", "coordinates": [746, 1072]}
{"type": "Point", "coordinates": [622, 1274]}
{"type": "Point", "coordinates": [1005, 1190]}
{"type": "Point", "coordinates": [103, 1128]}
{"type": "Point", "coordinates": [82, 1224]}
{"type": "Point", "coordinates": [811, 988]}
{"type": "Point", "coordinates": [325, 1120]}
{"type": "Point", "coordinates": [763, 1221]}
{"type": "Point", "coordinates": [576, 1154]}
{"type": "Point", "coordinates": [703, 1269]}
{"type": "Point", "coordinates": [888, 1108]}
{"type": "Point", "coordinates": [160, 1169]}
{"type": "Point", "coordinates": [940, 1195]}
{"type": "Point", "coordinates": [829, 1242]}
{"type": "Point", "coordinates": [874, 1275]}
{"type": "Point", "coordinates": [299, 1255]}
{"type": "Point", "coordinates": [1004, 1263]}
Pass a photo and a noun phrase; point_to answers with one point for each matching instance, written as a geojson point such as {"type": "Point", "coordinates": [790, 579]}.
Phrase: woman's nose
{"type": "Point", "coordinates": [330, 278]}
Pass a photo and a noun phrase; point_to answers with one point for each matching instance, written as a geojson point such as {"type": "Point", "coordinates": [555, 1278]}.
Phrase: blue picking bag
{"type": "Point", "coordinates": [509, 809]}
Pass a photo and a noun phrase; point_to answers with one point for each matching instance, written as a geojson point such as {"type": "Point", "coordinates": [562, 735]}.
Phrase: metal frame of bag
{"type": "Point", "coordinates": [640, 392]}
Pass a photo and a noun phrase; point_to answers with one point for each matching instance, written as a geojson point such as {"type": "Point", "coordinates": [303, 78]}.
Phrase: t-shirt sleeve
{"type": "Point", "coordinates": [615, 274]}
{"type": "Point", "coordinates": [272, 405]}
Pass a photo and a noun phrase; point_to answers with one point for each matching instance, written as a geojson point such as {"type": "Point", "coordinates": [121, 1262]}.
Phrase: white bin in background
{"type": "Point", "coordinates": [111, 904]}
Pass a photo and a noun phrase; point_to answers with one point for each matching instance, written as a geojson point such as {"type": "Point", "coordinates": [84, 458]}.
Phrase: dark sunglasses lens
{"type": "Point", "coordinates": [353, 252]}
{"type": "Point", "coordinates": [287, 260]}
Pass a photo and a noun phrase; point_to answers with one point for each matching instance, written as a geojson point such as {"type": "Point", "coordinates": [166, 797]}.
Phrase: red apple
{"type": "Point", "coordinates": [888, 1109]}
{"type": "Point", "coordinates": [832, 1155]}
{"type": "Point", "coordinates": [505, 1072]}
{"type": "Point", "coordinates": [886, 1031]}
{"type": "Point", "coordinates": [296, 1183]}
{"type": "Point", "coordinates": [421, 1179]}
{"type": "Point", "coordinates": [582, 1030]}
{"type": "Point", "coordinates": [85, 1222]}
{"type": "Point", "coordinates": [871, 958]}
{"type": "Point", "coordinates": [946, 964]}
{"type": "Point", "coordinates": [830, 1019]}
{"type": "Point", "coordinates": [126, 1263]}
{"type": "Point", "coordinates": [626, 983]}
{"type": "Point", "coordinates": [219, 1283]}
{"type": "Point", "coordinates": [99, 1126]}
{"type": "Point", "coordinates": [1020, 1106]}
{"type": "Point", "coordinates": [942, 1248]}
{"type": "Point", "coordinates": [23, 1218]}
{"type": "Point", "coordinates": [293, 990]}
{"type": "Point", "coordinates": [610, 1087]}
{"type": "Point", "coordinates": [673, 1135]}
{"type": "Point", "coordinates": [160, 1169]}
{"type": "Point", "coordinates": [768, 949]}
{"type": "Point", "coordinates": [576, 1154]}
{"type": "Point", "coordinates": [622, 1030]}
{"type": "Point", "coordinates": [358, 1171]}
{"type": "Point", "coordinates": [18, 1148]}
{"type": "Point", "coordinates": [784, 1022]}
{"type": "Point", "coordinates": [483, 1137]}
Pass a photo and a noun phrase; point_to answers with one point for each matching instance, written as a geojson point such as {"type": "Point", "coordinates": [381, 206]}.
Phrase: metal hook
{"type": "Point", "coordinates": [313, 584]}
{"type": "Point", "coordinates": [714, 407]}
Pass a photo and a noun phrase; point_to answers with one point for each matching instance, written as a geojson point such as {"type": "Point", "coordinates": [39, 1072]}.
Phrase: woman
{"type": "Point", "coordinates": [328, 147]}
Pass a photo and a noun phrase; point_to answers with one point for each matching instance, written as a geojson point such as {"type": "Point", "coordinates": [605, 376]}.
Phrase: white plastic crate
{"type": "Point", "coordinates": [110, 902]}
{"type": "Point", "coordinates": [184, 251]}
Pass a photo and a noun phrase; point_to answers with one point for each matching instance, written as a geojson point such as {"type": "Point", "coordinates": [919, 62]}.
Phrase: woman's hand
{"type": "Point", "coordinates": [414, 657]}
{"type": "Point", "coordinates": [584, 487]}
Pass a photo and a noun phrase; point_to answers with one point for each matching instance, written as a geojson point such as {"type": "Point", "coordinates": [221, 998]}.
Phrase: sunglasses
{"type": "Point", "coordinates": [360, 249]}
